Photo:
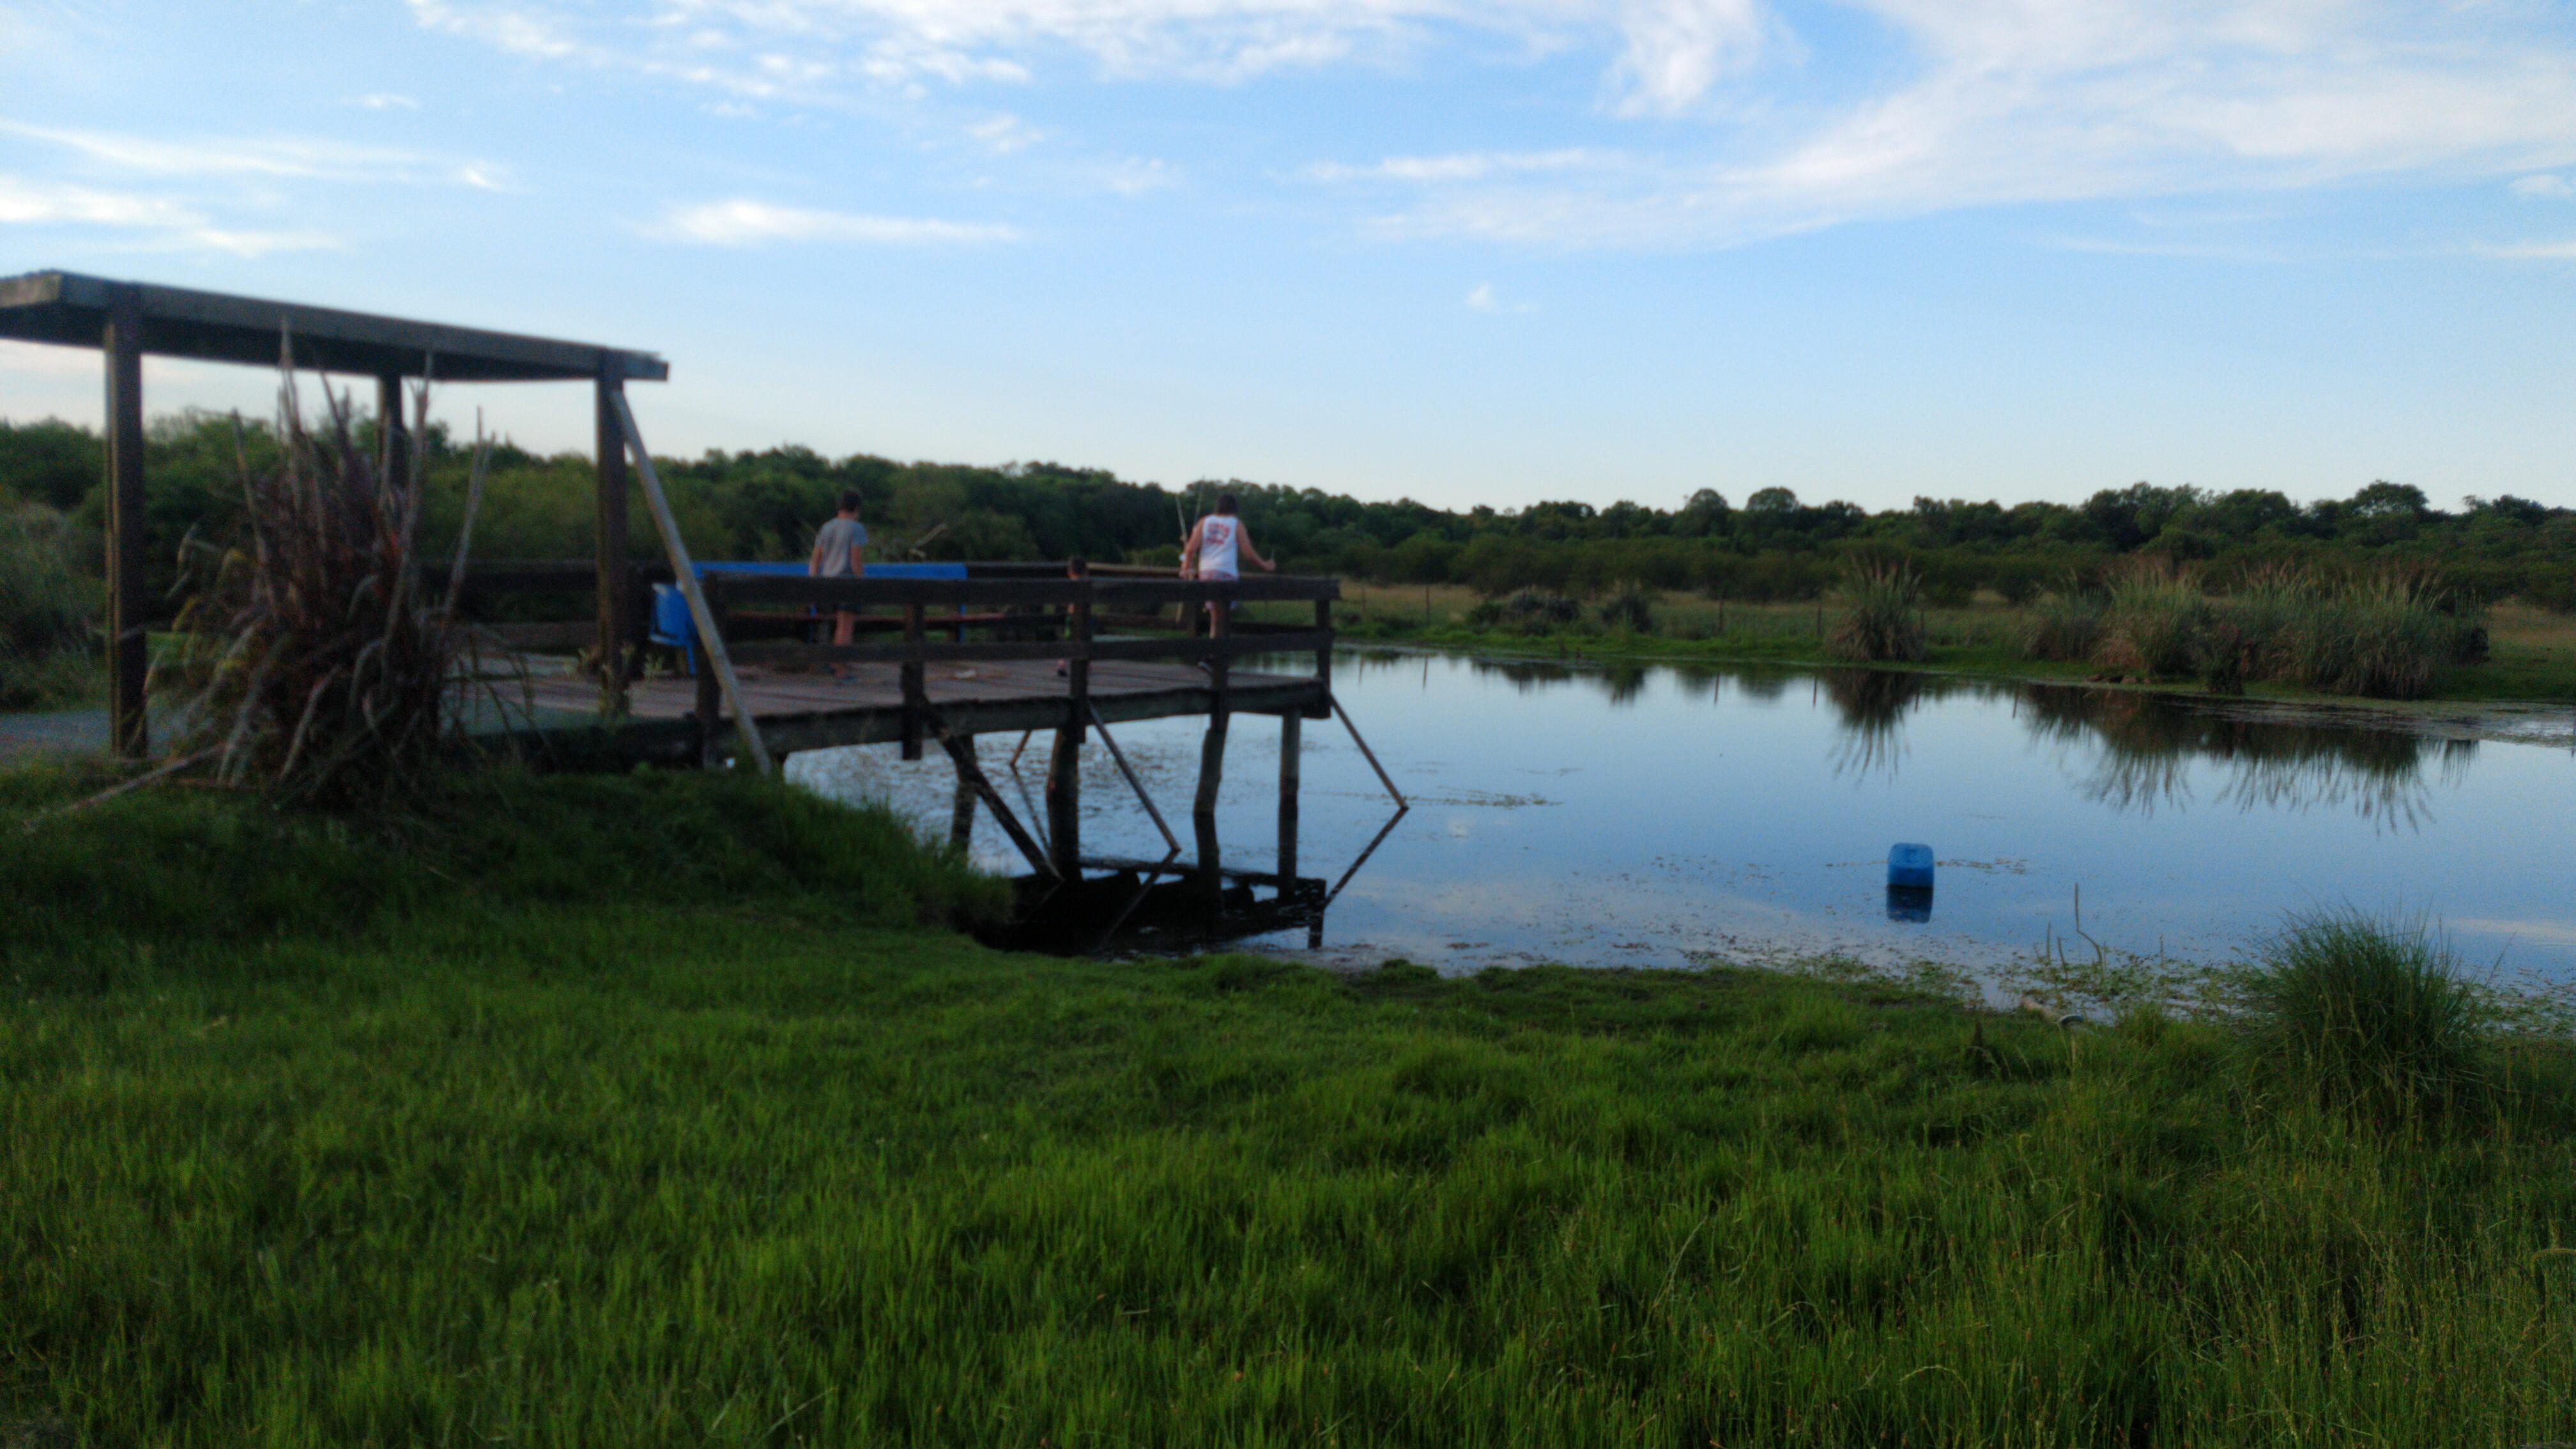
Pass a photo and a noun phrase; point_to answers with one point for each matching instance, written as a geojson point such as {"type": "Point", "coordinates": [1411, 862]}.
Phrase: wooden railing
{"type": "Point", "coordinates": [1072, 610]}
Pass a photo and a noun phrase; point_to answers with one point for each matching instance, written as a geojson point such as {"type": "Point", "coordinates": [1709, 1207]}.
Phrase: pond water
{"type": "Point", "coordinates": [1663, 815]}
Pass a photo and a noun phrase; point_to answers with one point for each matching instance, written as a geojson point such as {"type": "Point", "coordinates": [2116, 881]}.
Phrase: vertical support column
{"type": "Point", "coordinates": [617, 629]}
{"type": "Point", "coordinates": [961, 807]}
{"type": "Point", "coordinates": [710, 707]}
{"type": "Point", "coordinates": [916, 694]}
{"type": "Point", "coordinates": [1212, 765]}
{"type": "Point", "coordinates": [1292, 739]}
{"type": "Point", "coordinates": [393, 431]}
{"type": "Point", "coordinates": [1064, 763]}
{"type": "Point", "coordinates": [1324, 651]}
{"type": "Point", "coordinates": [127, 658]}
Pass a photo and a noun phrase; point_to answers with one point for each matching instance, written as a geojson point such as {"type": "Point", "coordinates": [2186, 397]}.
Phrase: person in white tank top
{"type": "Point", "coordinates": [1216, 544]}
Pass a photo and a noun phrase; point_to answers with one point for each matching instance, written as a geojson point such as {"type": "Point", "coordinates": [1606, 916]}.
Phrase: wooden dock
{"type": "Point", "coordinates": [1006, 650]}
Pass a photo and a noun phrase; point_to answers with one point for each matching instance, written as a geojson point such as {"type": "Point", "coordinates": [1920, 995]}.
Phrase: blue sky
{"type": "Point", "coordinates": [1496, 252]}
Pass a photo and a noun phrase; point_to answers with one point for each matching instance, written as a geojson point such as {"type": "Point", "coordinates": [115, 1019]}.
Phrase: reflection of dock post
{"type": "Point", "coordinates": [1291, 739]}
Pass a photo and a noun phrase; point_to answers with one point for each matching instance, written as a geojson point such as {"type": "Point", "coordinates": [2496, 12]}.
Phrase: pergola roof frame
{"type": "Point", "coordinates": [127, 321]}
{"type": "Point", "coordinates": [71, 309]}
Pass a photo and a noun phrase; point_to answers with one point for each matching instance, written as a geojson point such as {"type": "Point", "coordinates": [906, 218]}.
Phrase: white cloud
{"type": "Point", "coordinates": [2562, 251]}
{"type": "Point", "coordinates": [2544, 186]}
{"type": "Point", "coordinates": [2056, 100]}
{"type": "Point", "coordinates": [1462, 166]}
{"type": "Point", "coordinates": [1005, 133]}
{"type": "Point", "coordinates": [1139, 174]}
{"type": "Point", "coordinates": [756, 223]}
{"type": "Point", "coordinates": [152, 222]}
{"type": "Point", "coordinates": [1670, 51]}
{"type": "Point", "coordinates": [277, 158]}
{"type": "Point", "coordinates": [1760, 130]}
{"type": "Point", "coordinates": [1482, 299]}
{"type": "Point", "coordinates": [387, 101]}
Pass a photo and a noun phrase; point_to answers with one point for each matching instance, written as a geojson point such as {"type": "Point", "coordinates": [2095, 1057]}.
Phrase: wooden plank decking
{"type": "Point", "coordinates": [814, 710]}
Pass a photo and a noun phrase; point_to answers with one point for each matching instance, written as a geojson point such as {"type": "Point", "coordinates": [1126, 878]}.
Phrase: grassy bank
{"type": "Point", "coordinates": [2533, 651]}
{"type": "Point", "coordinates": [659, 1110]}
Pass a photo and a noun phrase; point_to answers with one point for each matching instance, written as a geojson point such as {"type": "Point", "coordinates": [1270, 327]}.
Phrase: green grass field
{"type": "Point", "coordinates": [2534, 651]}
{"type": "Point", "coordinates": [666, 1110]}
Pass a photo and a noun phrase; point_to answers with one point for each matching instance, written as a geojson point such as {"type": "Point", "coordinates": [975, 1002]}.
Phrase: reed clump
{"type": "Point", "coordinates": [2066, 626]}
{"type": "Point", "coordinates": [1882, 619]}
{"type": "Point", "coordinates": [2371, 1017]}
{"type": "Point", "coordinates": [48, 646]}
{"type": "Point", "coordinates": [2153, 620]}
{"type": "Point", "coordinates": [317, 669]}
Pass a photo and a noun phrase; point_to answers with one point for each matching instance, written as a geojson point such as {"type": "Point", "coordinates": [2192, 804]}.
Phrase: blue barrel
{"type": "Point", "coordinates": [1909, 866]}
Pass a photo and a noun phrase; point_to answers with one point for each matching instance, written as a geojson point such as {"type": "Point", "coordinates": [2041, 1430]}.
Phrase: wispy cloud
{"type": "Point", "coordinates": [1668, 53]}
{"type": "Point", "coordinates": [1462, 166]}
{"type": "Point", "coordinates": [757, 223]}
{"type": "Point", "coordinates": [387, 101]}
{"type": "Point", "coordinates": [2536, 251]}
{"type": "Point", "coordinates": [2545, 187]}
{"type": "Point", "coordinates": [150, 222]}
{"type": "Point", "coordinates": [280, 158]}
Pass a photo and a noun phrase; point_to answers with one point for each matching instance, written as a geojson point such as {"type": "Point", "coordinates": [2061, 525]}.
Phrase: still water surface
{"type": "Point", "coordinates": [1654, 815]}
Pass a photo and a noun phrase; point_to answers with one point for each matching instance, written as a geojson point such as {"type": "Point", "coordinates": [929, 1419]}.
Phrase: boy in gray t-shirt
{"type": "Point", "coordinates": [840, 552]}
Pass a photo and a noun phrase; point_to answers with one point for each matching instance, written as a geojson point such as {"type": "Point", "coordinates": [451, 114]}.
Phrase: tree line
{"type": "Point", "coordinates": [1770, 545]}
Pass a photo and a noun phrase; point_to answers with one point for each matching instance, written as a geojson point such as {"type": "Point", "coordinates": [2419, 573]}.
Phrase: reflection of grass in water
{"type": "Point", "coordinates": [1872, 705]}
{"type": "Point", "coordinates": [2148, 745]}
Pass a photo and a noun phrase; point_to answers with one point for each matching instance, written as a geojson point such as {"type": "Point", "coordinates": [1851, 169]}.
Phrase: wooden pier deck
{"type": "Point", "coordinates": [809, 710]}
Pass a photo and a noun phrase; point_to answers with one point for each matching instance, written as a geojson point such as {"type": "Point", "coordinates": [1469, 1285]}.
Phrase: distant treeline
{"type": "Point", "coordinates": [1770, 545]}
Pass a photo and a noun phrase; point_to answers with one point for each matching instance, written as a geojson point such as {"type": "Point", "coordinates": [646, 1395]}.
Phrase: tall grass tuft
{"type": "Point", "coordinates": [2067, 625]}
{"type": "Point", "coordinates": [1883, 621]}
{"type": "Point", "coordinates": [1530, 611]}
{"type": "Point", "coordinates": [46, 605]}
{"type": "Point", "coordinates": [2154, 619]}
{"type": "Point", "coordinates": [2373, 1016]}
{"type": "Point", "coordinates": [2394, 634]}
{"type": "Point", "coordinates": [319, 671]}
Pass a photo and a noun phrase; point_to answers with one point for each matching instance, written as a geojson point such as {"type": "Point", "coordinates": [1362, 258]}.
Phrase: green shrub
{"type": "Point", "coordinates": [1882, 622]}
{"type": "Point", "coordinates": [46, 606]}
{"type": "Point", "coordinates": [1632, 608]}
{"type": "Point", "coordinates": [2369, 1016]}
{"type": "Point", "coordinates": [2394, 634]}
{"type": "Point", "coordinates": [1529, 611]}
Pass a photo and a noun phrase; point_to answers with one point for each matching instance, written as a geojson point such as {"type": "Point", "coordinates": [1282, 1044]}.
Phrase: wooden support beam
{"type": "Point", "coordinates": [1064, 762]}
{"type": "Point", "coordinates": [1203, 809]}
{"type": "Point", "coordinates": [1292, 731]}
{"type": "Point", "coordinates": [128, 659]}
{"type": "Point", "coordinates": [961, 752]}
{"type": "Point", "coordinates": [961, 808]}
{"type": "Point", "coordinates": [393, 436]}
{"type": "Point", "coordinates": [916, 697]}
{"type": "Point", "coordinates": [617, 630]}
{"type": "Point", "coordinates": [710, 706]}
{"type": "Point", "coordinates": [710, 639]}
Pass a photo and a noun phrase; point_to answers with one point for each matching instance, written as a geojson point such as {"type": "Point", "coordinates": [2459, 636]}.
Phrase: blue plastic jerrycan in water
{"type": "Point", "coordinates": [1910, 866]}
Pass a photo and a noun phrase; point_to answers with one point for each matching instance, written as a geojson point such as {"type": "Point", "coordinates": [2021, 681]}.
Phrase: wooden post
{"type": "Point", "coordinates": [1292, 730]}
{"type": "Point", "coordinates": [961, 807]}
{"type": "Point", "coordinates": [128, 659]}
{"type": "Point", "coordinates": [710, 691]}
{"type": "Point", "coordinates": [1064, 762]}
{"type": "Point", "coordinates": [392, 434]}
{"type": "Point", "coordinates": [616, 594]}
{"type": "Point", "coordinates": [1324, 651]}
{"type": "Point", "coordinates": [1212, 767]}
{"type": "Point", "coordinates": [915, 690]}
